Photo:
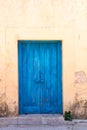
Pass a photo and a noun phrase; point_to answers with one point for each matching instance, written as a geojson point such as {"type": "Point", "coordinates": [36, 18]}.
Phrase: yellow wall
{"type": "Point", "coordinates": [64, 20]}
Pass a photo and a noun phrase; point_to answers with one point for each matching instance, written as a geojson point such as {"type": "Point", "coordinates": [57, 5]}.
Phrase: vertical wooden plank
{"type": "Point", "coordinates": [20, 76]}
{"type": "Point", "coordinates": [60, 107]}
{"type": "Point", "coordinates": [36, 75]}
{"type": "Point", "coordinates": [42, 74]}
{"type": "Point", "coordinates": [47, 75]}
{"type": "Point", "coordinates": [36, 63]}
{"type": "Point", "coordinates": [32, 77]}
{"type": "Point", "coordinates": [29, 71]}
{"type": "Point", "coordinates": [54, 86]}
{"type": "Point", "coordinates": [42, 62]}
{"type": "Point", "coordinates": [24, 68]}
{"type": "Point", "coordinates": [46, 87]}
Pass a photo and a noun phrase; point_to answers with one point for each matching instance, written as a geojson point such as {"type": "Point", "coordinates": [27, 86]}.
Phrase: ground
{"type": "Point", "coordinates": [41, 122]}
{"type": "Point", "coordinates": [36, 128]}
{"type": "Point", "coordinates": [77, 127]}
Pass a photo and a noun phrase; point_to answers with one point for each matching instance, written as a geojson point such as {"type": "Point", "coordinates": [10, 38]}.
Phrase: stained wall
{"type": "Point", "coordinates": [64, 20]}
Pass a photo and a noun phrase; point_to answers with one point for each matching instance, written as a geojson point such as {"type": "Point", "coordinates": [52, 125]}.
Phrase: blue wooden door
{"type": "Point", "coordinates": [40, 77]}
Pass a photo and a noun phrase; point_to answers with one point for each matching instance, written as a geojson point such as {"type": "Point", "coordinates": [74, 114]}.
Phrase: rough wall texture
{"type": "Point", "coordinates": [64, 20]}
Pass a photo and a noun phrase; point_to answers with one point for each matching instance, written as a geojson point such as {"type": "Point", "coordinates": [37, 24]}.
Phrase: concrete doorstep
{"type": "Point", "coordinates": [43, 121]}
{"type": "Point", "coordinates": [34, 120]}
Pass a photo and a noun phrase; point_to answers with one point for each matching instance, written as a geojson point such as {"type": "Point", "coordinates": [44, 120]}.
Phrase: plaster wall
{"type": "Point", "coordinates": [64, 20]}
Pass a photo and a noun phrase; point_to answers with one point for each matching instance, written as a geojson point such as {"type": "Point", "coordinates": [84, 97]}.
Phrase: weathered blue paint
{"type": "Point", "coordinates": [40, 77]}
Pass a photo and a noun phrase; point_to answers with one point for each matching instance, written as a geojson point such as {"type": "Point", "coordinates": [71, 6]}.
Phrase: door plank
{"type": "Point", "coordinates": [59, 48]}
{"type": "Point", "coordinates": [20, 76]}
{"type": "Point", "coordinates": [24, 69]}
{"type": "Point", "coordinates": [54, 78]}
{"type": "Point", "coordinates": [29, 71]}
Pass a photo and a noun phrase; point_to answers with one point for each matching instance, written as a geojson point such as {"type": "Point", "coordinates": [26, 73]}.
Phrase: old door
{"type": "Point", "coordinates": [40, 77]}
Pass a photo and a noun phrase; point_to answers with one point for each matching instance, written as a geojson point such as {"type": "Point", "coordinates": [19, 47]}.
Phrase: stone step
{"type": "Point", "coordinates": [37, 119]}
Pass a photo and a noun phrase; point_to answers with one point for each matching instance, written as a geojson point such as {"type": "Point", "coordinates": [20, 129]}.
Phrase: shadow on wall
{"type": "Point", "coordinates": [79, 108]}
{"type": "Point", "coordinates": [4, 109]}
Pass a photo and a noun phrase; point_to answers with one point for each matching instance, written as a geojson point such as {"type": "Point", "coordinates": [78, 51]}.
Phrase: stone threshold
{"type": "Point", "coordinates": [39, 119]}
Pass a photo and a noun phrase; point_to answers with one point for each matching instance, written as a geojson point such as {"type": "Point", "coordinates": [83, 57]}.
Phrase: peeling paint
{"type": "Point", "coordinates": [80, 77]}
{"type": "Point", "coordinates": [79, 108]}
{"type": "Point", "coordinates": [12, 109]}
{"type": "Point", "coordinates": [4, 107]}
